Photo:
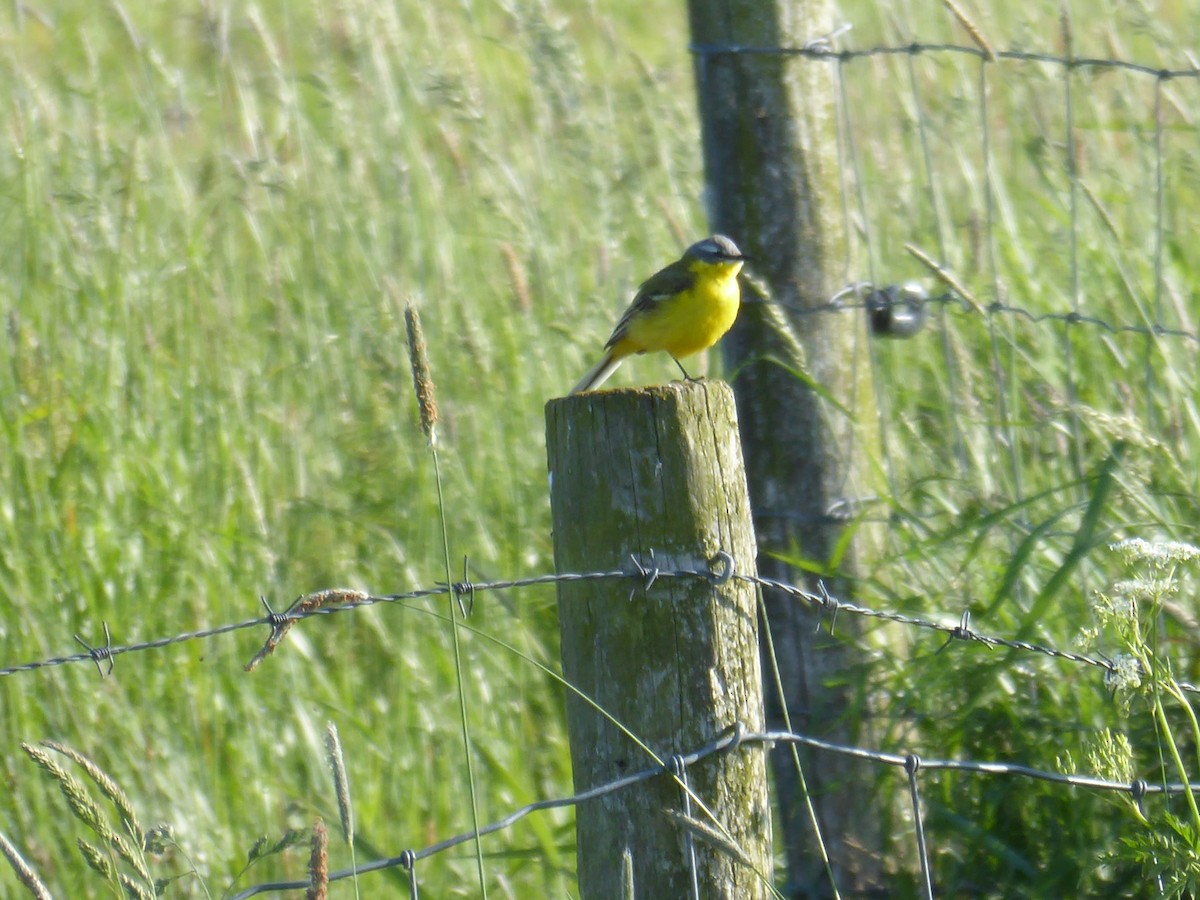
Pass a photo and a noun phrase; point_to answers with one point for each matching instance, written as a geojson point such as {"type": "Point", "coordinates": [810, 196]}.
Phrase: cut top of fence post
{"type": "Point", "coordinates": [648, 467]}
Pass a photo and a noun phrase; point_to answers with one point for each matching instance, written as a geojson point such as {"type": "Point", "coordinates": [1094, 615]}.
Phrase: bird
{"type": "Point", "coordinates": [682, 309]}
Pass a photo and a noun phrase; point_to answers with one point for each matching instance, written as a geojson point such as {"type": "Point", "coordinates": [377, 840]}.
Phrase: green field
{"type": "Point", "coordinates": [212, 217]}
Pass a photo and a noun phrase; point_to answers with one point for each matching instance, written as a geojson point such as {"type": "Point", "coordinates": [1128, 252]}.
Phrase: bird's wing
{"type": "Point", "coordinates": [658, 287]}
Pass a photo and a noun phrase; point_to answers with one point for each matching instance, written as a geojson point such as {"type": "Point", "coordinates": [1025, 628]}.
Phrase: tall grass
{"type": "Point", "coordinates": [212, 216]}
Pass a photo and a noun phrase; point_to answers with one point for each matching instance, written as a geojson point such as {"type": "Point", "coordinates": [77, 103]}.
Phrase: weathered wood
{"type": "Point", "coordinates": [660, 470]}
{"type": "Point", "coordinates": [770, 148]}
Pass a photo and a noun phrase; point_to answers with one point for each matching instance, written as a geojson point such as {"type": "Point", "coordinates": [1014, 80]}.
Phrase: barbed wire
{"type": "Point", "coordinates": [736, 738]}
{"type": "Point", "coordinates": [722, 568]}
{"type": "Point", "coordinates": [340, 601]}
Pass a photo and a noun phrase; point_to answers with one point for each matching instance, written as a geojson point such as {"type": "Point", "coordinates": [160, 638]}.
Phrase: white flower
{"type": "Point", "coordinates": [1125, 674]}
{"type": "Point", "coordinates": [1138, 590]}
{"type": "Point", "coordinates": [1160, 553]}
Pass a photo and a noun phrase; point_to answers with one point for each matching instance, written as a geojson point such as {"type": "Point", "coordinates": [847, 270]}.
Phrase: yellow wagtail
{"type": "Point", "coordinates": [683, 309]}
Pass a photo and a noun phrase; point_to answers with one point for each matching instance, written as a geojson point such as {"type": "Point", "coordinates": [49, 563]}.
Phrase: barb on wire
{"type": "Point", "coordinates": [830, 603]}
{"type": "Point", "coordinates": [100, 654]}
{"type": "Point", "coordinates": [281, 623]}
{"type": "Point", "coordinates": [465, 589]}
{"type": "Point", "coordinates": [963, 632]}
{"type": "Point", "coordinates": [648, 574]}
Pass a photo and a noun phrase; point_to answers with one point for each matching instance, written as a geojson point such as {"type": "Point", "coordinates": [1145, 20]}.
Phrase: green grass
{"type": "Point", "coordinates": [211, 220]}
{"type": "Point", "coordinates": [215, 220]}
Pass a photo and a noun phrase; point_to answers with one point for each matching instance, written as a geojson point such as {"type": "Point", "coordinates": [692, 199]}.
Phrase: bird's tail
{"type": "Point", "coordinates": [598, 373]}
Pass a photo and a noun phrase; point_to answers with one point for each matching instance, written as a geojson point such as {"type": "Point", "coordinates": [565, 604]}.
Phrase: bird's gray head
{"type": "Point", "coordinates": [717, 248]}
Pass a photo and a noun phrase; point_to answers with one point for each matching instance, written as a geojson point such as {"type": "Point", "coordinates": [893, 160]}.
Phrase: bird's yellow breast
{"type": "Point", "coordinates": [693, 319]}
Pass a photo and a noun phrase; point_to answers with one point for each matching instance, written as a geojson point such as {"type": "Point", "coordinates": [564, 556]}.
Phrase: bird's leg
{"type": "Point", "coordinates": [686, 376]}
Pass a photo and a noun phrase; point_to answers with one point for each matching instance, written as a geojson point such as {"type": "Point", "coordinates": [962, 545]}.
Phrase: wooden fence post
{"type": "Point", "coordinates": [773, 181]}
{"type": "Point", "coordinates": [675, 661]}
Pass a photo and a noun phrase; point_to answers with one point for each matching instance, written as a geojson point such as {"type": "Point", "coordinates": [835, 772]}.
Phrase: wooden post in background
{"type": "Point", "coordinates": [660, 470]}
{"type": "Point", "coordinates": [769, 129]}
